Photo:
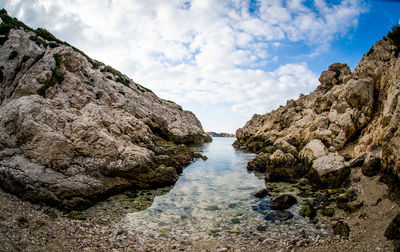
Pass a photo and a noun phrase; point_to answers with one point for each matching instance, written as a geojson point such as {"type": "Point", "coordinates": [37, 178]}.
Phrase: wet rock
{"type": "Point", "coordinates": [282, 202]}
{"type": "Point", "coordinates": [350, 207]}
{"type": "Point", "coordinates": [204, 157]}
{"type": "Point", "coordinates": [327, 211]}
{"type": "Point", "coordinates": [372, 163]}
{"type": "Point", "coordinates": [347, 196]}
{"type": "Point", "coordinates": [329, 170]}
{"type": "Point", "coordinates": [308, 211]}
{"type": "Point", "coordinates": [284, 215]}
{"type": "Point", "coordinates": [341, 228]}
{"type": "Point", "coordinates": [262, 193]}
{"type": "Point", "coordinates": [264, 205]}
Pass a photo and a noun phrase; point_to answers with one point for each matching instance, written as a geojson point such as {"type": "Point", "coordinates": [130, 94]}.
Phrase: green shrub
{"type": "Point", "coordinates": [58, 58]}
{"type": "Point", "coordinates": [143, 89]}
{"type": "Point", "coordinates": [394, 34]}
{"type": "Point", "coordinates": [38, 40]}
{"type": "Point", "coordinates": [55, 76]}
{"type": "Point", "coordinates": [25, 58]}
{"type": "Point", "coordinates": [119, 77]}
{"type": "Point", "coordinates": [47, 35]}
{"type": "Point", "coordinates": [13, 55]}
{"type": "Point", "coordinates": [10, 23]}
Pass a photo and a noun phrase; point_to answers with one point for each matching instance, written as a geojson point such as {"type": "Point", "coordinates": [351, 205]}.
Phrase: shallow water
{"type": "Point", "coordinates": [216, 198]}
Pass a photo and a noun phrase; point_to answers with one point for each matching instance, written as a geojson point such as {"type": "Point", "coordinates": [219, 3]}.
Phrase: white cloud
{"type": "Point", "coordinates": [203, 51]}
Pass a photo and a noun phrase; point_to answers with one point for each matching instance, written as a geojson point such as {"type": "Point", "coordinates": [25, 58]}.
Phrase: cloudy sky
{"type": "Point", "coordinates": [223, 60]}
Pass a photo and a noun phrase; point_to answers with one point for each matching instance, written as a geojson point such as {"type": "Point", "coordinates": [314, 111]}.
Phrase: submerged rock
{"type": "Point", "coordinates": [262, 193]}
{"type": "Point", "coordinates": [282, 202]}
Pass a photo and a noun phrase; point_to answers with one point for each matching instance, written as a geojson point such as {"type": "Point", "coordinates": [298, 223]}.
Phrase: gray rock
{"type": "Point", "coordinates": [329, 170]}
{"type": "Point", "coordinates": [313, 150]}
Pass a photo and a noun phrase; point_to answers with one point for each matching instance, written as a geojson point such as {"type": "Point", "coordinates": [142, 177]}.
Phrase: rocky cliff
{"type": "Point", "coordinates": [351, 119]}
{"type": "Point", "coordinates": [73, 130]}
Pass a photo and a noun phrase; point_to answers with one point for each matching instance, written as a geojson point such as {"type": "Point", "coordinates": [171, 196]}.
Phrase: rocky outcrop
{"type": "Point", "coordinates": [349, 116]}
{"type": "Point", "coordinates": [215, 134]}
{"type": "Point", "coordinates": [73, 130]}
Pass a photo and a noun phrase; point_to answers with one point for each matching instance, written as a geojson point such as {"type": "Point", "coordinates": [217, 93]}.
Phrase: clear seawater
{"type": "Point", "coordinates": [214, 197]}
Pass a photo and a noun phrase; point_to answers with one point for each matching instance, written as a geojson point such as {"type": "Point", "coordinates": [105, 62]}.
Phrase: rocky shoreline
{"type": "Point", "coordinates": [349, 123]}
{"type": "Point", "coordinates": [33, 227]}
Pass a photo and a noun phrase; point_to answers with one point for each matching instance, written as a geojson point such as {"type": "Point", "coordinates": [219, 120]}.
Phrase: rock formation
{"type": "Point", "coordinates": [215, 134]}
{"type": "Point", "coordinates": [73, 130]}
{"type": "Point", "coordinates": [348, 118]}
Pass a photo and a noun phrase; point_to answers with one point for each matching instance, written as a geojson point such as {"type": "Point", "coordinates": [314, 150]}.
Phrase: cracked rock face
{"type": "Point", "coordinates": [73, 130]}
{"type": "Point", "coordinates": [349, 115]}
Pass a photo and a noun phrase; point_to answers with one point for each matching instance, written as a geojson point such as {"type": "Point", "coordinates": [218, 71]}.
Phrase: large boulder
{"type": "Point", "coordinates": [329, 170]}
{"type": "Point", "coordinates": [313, 150]}
{"type": "Point", "coordinates": [73, 131]}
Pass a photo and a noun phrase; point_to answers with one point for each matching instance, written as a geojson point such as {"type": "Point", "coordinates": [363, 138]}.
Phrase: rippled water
{"type": "Point", "coordinates": [215, 198]}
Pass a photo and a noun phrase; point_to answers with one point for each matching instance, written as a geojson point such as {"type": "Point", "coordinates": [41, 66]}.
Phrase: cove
{"type": "Point", "coordinates": [215, 198]}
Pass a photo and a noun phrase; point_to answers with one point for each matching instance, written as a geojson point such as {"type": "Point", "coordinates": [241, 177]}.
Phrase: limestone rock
{"type": "Point", "coordinates": [329, 170]}
{"type": "Point", "coordinates": [313, 150]}
{"type": "Point", "coordinates": [73, 130]}
{"type": "Point", "coordinates": [349, 113]}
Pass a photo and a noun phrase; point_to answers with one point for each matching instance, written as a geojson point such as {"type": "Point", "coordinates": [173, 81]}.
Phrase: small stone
{"type": "Point", "coordinates": [341, 228]}
{"type": "Point", "coordinates": [262, 228]}
{"type": "Point", "coordinates": [204, 157]}
{"type": "Point", "coordinates": [282, 202]}
{"type": "Point", "coordinates": [262, 193]}
{"type": "Point", "coordinates": [308, 211]}
{"type": "Point", "coordinates": [327, 211]}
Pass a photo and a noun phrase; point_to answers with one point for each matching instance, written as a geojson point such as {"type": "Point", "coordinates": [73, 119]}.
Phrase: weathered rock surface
{"type": "Point", "coordinates": [73, 130]}
{"type": "Point", "coordinates": [349, 116]}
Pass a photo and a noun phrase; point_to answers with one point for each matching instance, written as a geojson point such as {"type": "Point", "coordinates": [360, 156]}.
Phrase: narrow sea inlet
{"type": "Point", "coordinates": [214, 199]}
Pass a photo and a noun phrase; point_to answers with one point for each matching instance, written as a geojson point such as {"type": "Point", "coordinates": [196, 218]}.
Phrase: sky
{"type": "Point", "coordinates": [223, 60]}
